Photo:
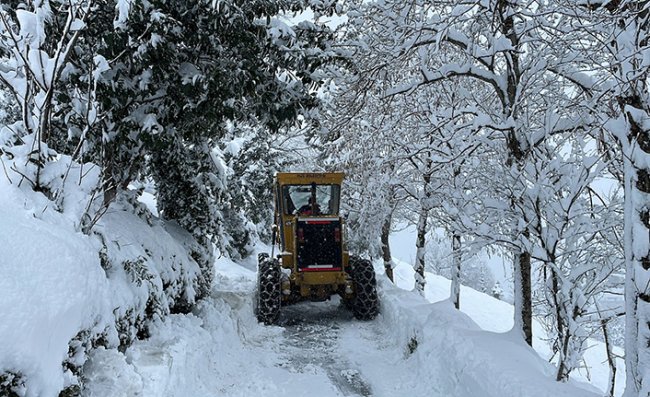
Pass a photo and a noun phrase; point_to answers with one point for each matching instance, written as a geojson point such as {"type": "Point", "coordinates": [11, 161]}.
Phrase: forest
{"type": "Point", "coordinates": [515, 128]}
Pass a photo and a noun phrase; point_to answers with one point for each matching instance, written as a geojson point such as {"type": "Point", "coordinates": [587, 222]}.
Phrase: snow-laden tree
{"type": "Point", "coordinates": [371, 193]}
{"type": "Point", "coordinates": [506, 49]}
{"type": "Point", "coordinates": [499, 158]}
{"type": "Point", "coordinates": [632, 128]}
{"type": "Point", "coordinates": [139, 78]}
{"type": "Point", "coordinates": [400, 149]}
{"type": "Point", "coordinates": [36, 43]}
{"type": "Point", "coordinates": [623, 27]}
{"type": "Point", "coordinates": [577, 233]}
{"type": "Point", "coordinates": [352, 139]}
{"type": "Point", "coordinates": [617, 82]}
{"type": "Point", "coordinates": [417, 32]}
{"type": "Point", "coordinates": [148, 90]}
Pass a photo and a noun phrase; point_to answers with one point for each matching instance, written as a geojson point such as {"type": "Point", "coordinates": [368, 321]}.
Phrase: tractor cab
{"type": "Point", "coordinates": [310, 226]}
{"type": "Point", "coordinates": [311, 194]}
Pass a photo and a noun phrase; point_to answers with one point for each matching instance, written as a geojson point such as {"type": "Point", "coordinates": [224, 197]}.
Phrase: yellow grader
{"type": "Point", "coordinates": [313, 263]}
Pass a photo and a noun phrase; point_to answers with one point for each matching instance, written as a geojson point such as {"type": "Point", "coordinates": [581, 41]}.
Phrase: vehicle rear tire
{"type": "Point", "coordinates": [365, 304]}
{"type": "Point", "coordinates": [269, 294]}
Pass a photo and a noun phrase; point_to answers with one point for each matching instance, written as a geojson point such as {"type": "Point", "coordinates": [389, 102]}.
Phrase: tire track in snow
{"type": "Point", "coordinates": [311, 332]}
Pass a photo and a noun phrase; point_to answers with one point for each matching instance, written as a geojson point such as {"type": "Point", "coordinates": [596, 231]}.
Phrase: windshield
{"type": "Point", "coordinates": [311, 199]}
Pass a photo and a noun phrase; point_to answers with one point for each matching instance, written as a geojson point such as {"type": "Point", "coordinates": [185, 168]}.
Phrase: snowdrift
{"type": "Point", "coordinates": [445, 344]}
{"type": "Point", "coordinates": [64, 293]}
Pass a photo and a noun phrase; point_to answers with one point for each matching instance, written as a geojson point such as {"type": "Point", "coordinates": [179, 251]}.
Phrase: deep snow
{"type": "Point", "coordinates": [51, 287]}
{"type": "Point", "coordinates": [58, 296]}
{"type": "Point", "coordinates": [496, 315]}
{"type": "Point", "coordinates": [320, 350]}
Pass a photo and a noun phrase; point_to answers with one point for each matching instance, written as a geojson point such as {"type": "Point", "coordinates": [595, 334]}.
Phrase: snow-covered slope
{"type": "Point", "coordinates": [495, 315]}
{"type": "Point", "coordinates": [62, 292]}
{"type": "Point", "coordinates": [452, 356]}
{"type": "Point", "coordinates": [475, 361]}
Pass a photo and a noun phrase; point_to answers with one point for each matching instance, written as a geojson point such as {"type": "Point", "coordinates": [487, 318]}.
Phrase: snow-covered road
{"type": "Point", "coordinates": [317, 350]}
{"type": "Point", "coordinates": [311, 338]}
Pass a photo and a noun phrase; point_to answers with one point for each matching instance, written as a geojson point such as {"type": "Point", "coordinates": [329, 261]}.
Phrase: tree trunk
{"type": "Point", "coordinates": [637, 269]}
{"type": "Point", "coordinates": [420, 244]}
{"type": "Point", "coordinates": [385, 247]}
{"type": "Point", "coordinates": [611, 358]}
{"type": "Point", "coordinates": [523, 301]}
{"type": "Point", "coordinates": [562, 332]}
{"type": "Point", "coordinates": [455, 270]}
{"type": "Point", "coordinates": [631, 37]}
{"type": "Point", "coordinates": [516, 157]}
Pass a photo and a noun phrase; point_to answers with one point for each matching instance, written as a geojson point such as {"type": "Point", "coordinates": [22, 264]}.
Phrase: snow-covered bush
{"type": "Point", "coordinates": [102, 289]}
{"type": "Point", "coordinates": [11, 384]}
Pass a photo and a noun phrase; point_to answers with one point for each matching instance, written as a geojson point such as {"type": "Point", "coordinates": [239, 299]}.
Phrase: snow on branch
{"type": "Point", "coordinates": [450, 71]}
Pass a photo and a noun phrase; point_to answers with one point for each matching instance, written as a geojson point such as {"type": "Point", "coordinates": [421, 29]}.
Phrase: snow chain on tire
{"type": "Point", "coordinates": [365, 304]}
{"type": "Point", "coordinates": [268, 294]}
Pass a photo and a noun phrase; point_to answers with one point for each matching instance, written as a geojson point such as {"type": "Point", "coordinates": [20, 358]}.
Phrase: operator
{"type": "Point", "coordinates": [311, 208]}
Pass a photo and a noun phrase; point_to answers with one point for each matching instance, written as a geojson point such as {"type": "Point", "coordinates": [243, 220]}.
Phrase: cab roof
{"type": "Point", "coordinates": [307, 178]}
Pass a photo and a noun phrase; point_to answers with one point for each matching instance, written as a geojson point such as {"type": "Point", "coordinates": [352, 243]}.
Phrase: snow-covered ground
{"type": "Point", "coordinates": [63, 292]}
{"type": "Point", "coordinates": [219, 350]}
{"type": "Point", "coordinates": [414, 347]}
{"type": "Point", "coordinates": [54, 289]}
{"type": "Point", "coordinates": [497, 316]}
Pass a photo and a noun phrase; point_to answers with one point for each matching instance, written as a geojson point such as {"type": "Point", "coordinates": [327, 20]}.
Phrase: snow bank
{"type": "Point", "coordinates": [64, 293]}
{"type": "Point", "coordinates": [51, 287]}
{"type": "Point", "coordinates": [446, 344]}
{"type": "Point", "coordinates": [198, 354]}
{"type": "Point", "coordinates": [495, 315]}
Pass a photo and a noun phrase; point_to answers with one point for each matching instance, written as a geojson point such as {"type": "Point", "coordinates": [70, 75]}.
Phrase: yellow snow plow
{"type": "Point", "coordinates": [313, 262]}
